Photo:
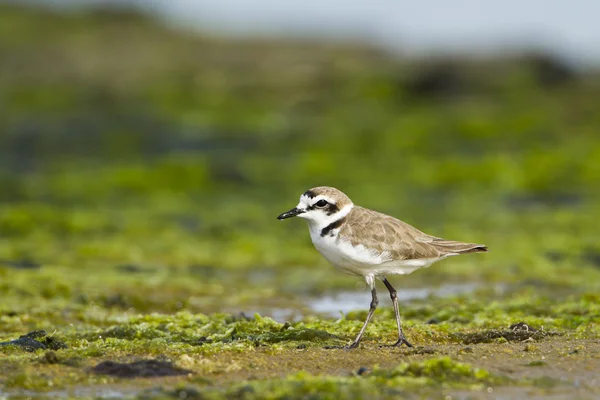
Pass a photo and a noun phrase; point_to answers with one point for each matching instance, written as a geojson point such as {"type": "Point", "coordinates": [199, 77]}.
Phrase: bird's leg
{"type": "Point", "coordinates": [393, 295]}
{"type": "Point", "coordinates": [374, 303]}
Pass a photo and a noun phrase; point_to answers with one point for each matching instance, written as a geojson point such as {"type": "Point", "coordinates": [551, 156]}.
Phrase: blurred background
{"type": "Point", "coordinates": [146, 147]}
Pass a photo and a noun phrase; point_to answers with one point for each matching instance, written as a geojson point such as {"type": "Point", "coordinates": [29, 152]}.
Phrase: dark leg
{"type": "Point", "coordinates": [401, 338]}
{"type": "Point", "coordinates": [374, 303]}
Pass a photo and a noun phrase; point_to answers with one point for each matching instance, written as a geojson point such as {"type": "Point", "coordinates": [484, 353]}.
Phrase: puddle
{"type": "Point", "coordinates": [76, 392]}
{"type": "Point", "coordinates": [345, 302]}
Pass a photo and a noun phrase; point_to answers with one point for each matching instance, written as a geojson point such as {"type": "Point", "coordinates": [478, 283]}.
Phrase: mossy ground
{"type": "Point", "coordinates": [468, 347]}
{"type": "Point", "coordinates": [140, 180]}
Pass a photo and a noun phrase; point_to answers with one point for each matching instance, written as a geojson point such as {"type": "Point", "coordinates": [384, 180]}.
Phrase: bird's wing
{"type": "Point", "coordinates": [397, 239]}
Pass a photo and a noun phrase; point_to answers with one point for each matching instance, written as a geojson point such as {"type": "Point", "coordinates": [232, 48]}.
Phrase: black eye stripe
{"type": "Point", "coordinates": [327, 207]}
{"type": "Point", "coordinates": [332, 209]}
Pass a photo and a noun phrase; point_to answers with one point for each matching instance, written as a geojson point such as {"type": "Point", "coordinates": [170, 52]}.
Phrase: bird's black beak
{"type": "Point", "coordinates": [292, 213]}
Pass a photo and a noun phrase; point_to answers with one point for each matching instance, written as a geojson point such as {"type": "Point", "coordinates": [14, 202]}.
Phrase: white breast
{"type": "Point", "coordinates": [359, 260]}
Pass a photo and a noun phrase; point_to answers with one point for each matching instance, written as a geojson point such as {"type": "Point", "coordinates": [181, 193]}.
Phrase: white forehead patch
{"type": "Point", "coordinates": [314, 200]}
{"type": "Point", "coordinates": [306, 201]}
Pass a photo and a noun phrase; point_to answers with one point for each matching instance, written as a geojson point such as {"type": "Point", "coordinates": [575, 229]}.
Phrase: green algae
{"type": "Point", "coordinates": [491, 335]}
{"type": "Point", "coordinates": [379, 383]}
{"type": "Point", "coordinates": [203, 343]}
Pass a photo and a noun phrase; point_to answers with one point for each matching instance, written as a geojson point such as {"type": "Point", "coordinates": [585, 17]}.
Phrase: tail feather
{"type": "Point", "coordinates": [451, 246]}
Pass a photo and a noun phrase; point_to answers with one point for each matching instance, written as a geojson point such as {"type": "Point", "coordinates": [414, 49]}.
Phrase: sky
{"type": "Point", "coordinates": [566, 28]}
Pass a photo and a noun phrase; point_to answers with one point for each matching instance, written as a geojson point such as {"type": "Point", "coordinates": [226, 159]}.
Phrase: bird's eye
{"type": "Point", "coordinates": [321, 203]}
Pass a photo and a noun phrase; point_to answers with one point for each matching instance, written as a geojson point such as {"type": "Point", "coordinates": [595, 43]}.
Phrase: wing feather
{"type": "Point", "coordinates": [397, 239]}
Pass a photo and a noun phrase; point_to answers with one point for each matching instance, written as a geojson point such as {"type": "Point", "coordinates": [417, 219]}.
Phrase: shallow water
{"type": "Point", "coordinates": [333, 305]}
{"type": "Point", "coordinates": [344, 302]}
{"type": "Point", "coordinates": [115, 392]}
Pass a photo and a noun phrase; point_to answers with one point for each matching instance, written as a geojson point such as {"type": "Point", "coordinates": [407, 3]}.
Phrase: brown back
{"type": "Point", "coordinates": [402, 241]}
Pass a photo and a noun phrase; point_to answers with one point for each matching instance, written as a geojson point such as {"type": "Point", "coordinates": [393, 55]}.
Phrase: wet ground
{"type": "Point", "coordinates": [463, 349]}
{"type": "Point", "coordinates": [557, 368]}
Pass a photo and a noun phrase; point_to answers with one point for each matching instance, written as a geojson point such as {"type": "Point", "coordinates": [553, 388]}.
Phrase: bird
{"type": "Point", "coordinates": [370, 244]}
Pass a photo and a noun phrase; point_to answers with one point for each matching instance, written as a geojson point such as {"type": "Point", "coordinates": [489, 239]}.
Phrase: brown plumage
{"type": "Point", "coordinates": [400, 240]}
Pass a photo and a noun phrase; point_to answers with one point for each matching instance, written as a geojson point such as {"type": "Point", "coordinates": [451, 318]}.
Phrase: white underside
{"type": "Point", "coordinates": [359, 260]}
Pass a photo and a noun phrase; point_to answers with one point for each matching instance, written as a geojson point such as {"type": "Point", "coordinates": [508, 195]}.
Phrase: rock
{"type": "Point", "coordinates": [139, 369]}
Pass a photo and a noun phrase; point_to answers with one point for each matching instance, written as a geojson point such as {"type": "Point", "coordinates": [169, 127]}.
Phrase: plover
{"type": "Point", "coordinates": [370, 244]}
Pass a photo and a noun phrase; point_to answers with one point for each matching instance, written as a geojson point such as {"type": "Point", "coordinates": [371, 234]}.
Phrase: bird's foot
{"type": "Point", "coordinates": [402, 341]}
{"type": "Point", "coordinates": [399, 343]}
{"type": "Point", "coordinates": [354, 345]}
